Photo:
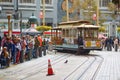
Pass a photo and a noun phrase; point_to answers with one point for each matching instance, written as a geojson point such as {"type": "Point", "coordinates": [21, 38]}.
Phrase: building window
{"type": "Point", "coordinates": [48, 2]}
{"type": "Point", "coordinates": [27, 1]}
{"type": "Point", "coordinates": [105, 3]}
{"type": "Point", "coordinates": [5, 0]}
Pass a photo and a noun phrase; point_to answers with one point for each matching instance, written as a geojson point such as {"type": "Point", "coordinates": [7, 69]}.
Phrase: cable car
{"type": "Point", "coordinates": [76, 36]}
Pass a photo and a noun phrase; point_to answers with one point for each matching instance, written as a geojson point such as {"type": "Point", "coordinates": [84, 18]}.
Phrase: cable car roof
{"type": "Point", "coordinates": [74, 22]}
{"type": "Point", "coordinates": [87, 26]}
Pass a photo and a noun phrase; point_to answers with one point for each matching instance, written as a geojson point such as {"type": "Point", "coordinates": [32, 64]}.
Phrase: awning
{"type": "Point", "coordinates": [48, 32]}
{"type": "Point", "coordinates": [31, 30]}
{"type": "Point", "coordinates": [13, 32]}
{"type": "Point", "coordinates": [65, 26]}
{"type": "Point", "coordinates": [88, 26]}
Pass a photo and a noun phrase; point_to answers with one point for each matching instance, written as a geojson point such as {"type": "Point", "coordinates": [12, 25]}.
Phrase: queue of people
{"type": "Point", "coordinates": [111, 43]}
{"type": "Point", "coordinates": [18, 49]}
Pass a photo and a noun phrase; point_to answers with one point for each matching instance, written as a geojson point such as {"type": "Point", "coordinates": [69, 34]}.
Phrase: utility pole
{"type": "Point", "coordinates": [67, 10]}
{"type": "Point", "coordinates": [98, 13]}
{"type": "Point", "coordinates": [43, 12]}
{"type": "Point", "coordinates": [21, 23]}
{"type": "Point", "coordinates": [16, 14]}
{"type": "Point", "coordinates": [9, 24]}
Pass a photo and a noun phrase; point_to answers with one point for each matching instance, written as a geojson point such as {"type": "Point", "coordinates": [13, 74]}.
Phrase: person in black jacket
{"type": "Point", "coordinates": [109, 43]}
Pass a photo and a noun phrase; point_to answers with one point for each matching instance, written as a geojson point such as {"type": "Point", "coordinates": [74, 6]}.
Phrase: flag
{"type": "Point", "coordinates": [41, 14]}
{"type": "Point", "coordinates": [94, 17]}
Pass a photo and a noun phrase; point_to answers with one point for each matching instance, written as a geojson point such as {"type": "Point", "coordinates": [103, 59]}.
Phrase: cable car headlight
{"type": "Point", "coordinates": [87, 43]}
{"type": "Point", "coordinates": [98, 43]}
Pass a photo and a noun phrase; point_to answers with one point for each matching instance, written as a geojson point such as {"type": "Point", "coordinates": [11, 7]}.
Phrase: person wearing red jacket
{"type": "Point", "coordinates": [40, 46]}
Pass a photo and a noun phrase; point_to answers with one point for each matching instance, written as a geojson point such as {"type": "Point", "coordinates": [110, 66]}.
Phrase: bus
{"type": "Point", "coordinates": [76, 36]}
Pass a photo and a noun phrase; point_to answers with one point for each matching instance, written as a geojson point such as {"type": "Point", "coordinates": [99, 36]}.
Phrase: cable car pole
{"type": "Point", "coordinates": [43, 12]}
{"type": "Point", "coordinates": [67, 10]}
{"type": "Point", "coordinates": [98, 13]}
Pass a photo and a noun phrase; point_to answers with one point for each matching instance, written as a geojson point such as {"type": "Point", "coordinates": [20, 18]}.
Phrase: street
{"type": "Point", "coordinates": [99, 65]}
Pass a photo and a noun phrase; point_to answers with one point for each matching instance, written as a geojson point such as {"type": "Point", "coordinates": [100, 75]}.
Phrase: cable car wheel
{"type": "Point", "coordinates": [82, 51]}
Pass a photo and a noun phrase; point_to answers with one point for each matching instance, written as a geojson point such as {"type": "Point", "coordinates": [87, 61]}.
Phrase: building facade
{"type": "Point", "coordinates": [26, 8]}
{"type": "Point", "coordinates": [109, 23]}
{"type": "Point", "coordinates": [54, 13]}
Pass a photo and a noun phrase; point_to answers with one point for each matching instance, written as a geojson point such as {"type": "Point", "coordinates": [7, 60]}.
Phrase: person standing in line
{"type": "Point", "coordinates": [44, 47]}
{"type": "Point", "coordinates": [109, 44]}
{"type": "Point", "coordinates": [23, 49]}
{"type": "Point", "coordinates": [4, 58]}
{"type": "Point", "coordinates": [40, 45]}
{"type": "Point", "coordinates": [13, 51]}
{"type": "Point", "coordinates": [36, 47]}
{"type": "Point", "coordinates": [116, 42]}
{"type": "Point", "coordinates": [8, 44]}
{"type": "Point", "coordinates": [18, 50]}
{"type": "Point", "coordinates": [30, 47]}
{"type": "Point", "coordinates": [3, 40]}
{"type": "Point", "coordinates": [47, 45]}
{"type": "Point", "coordinates": [0, 42]}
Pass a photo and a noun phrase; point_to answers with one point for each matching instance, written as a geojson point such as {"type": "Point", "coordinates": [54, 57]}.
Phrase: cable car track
{"type": "Point", "coordinates": [97, 70]}
{"type": "Point", "coordinates": [18, 70]}
{"type": "Point", "coordinates": [24, 68]}
{"type": "Point", "coordinates": [46, 66]}
{"type": "Point", "coordinates": [89, 67]}
{"type": "Point", "coordinates": [80, 75]}
{"type": "Point", "coordinates": [76, 68]}
{"type": "Point", "coordinates": [34, 69]}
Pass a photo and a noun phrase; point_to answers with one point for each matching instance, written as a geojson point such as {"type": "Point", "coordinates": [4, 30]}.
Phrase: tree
{"type": "Point", "coordinates": [116, 1]}
{"type": "Point", "coordinates": [43, 28]}
{"type": "Point", "coordinates": [112, 8]}
{"type": "Point", "coordinates": [117, 4]}
{"type": "Point", "coordinates": [73, 10]}
{"type": "Point", "coordinates": [118, 29]}
{"type": "Point", "coordinates": [102, 29]}
{"type": "Point", "coordinates": [89, 8]}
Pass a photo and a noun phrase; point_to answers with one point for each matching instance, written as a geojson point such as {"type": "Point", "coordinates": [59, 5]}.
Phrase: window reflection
{"type": "Point", "coordinates": [91, 33]}
{"type": "Point", "coordinates": [5, 0]}
{"type": "Point", "coordinates": [27, 1]}
{"type": "Point", "coordinates": [47, 2]}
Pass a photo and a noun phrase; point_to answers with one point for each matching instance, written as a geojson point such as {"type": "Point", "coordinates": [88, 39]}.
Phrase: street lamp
{"type": "Point", "coordinates": [9, 24]}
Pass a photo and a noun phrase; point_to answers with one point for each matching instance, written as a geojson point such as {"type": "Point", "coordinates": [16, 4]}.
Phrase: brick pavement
{"type": "Point", "coordinates": [110, 69]}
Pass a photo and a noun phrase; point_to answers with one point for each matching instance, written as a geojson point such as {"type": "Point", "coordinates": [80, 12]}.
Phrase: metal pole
{"type": "Point", "coordinates": [9, 26]}
{"type": "Point", "coordinates": [67, 10]}
{"type": "Point", "coordinates": [43, 12]}
{"type": "Point", "coordinates": [119, 11]}
{"type": "Point", "coordinates": [21, 23]}
{"type": "Point", "coordinates": [98, 12]}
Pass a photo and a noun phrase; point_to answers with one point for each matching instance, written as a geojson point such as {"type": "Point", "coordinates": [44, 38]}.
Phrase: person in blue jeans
{"type": "Point", "coordinates": [109, 43]}
{"type": "Point", "coordinates": [36, 47]}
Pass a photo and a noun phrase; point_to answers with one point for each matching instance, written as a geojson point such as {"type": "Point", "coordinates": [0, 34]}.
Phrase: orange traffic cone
{"type": "Point", "coordinates": [50, 70]}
